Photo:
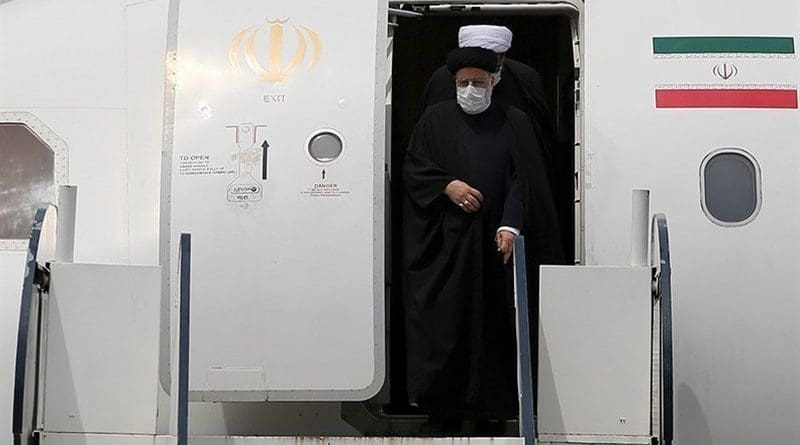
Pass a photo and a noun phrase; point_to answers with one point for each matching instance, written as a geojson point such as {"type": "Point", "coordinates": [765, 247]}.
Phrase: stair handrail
{"type": "Point", "coordinates": [662, 291]}
{"type": "Point", "coordinates": [525, 383]}
{"type": "Point", "coordinates": [27, 362]}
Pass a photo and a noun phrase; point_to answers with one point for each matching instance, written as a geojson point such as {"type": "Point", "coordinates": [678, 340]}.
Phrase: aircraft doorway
{"type": "Point", "coordinates": [543, 39]}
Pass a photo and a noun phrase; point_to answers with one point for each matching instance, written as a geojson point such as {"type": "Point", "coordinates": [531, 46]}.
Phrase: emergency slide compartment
{"type": "Point", "coordinates": [274, 164]}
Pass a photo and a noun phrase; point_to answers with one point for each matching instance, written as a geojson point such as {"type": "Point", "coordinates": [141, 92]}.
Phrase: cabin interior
{"type": "Point", "coordinates": [543, 40]}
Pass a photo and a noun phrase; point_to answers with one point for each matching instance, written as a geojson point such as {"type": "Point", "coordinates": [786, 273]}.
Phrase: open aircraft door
{"type": "Point", "coordinates": [274, 163]}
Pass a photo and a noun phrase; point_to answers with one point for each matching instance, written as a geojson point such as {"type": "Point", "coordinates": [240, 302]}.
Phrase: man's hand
{"type": "Point", "coordinates": [505, 244]}
{"type": "Point", "coordinates": [464, 196]}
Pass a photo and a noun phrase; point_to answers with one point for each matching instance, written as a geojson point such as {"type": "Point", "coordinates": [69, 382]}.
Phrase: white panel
{"type": "Point", "coordinates": [96, 141]}
{"type": "Point", "coordinates": [146, 42]}
{"type": "Point", "coordinates": [102, 349]}
{"type": "Point", "coordinates": [736, 290]}
{"type": "Point", "coordinates": [551, 439]}
{"type": "Point", "coordinates": [62, 54]}
{"type": "Point", "coordinates": [104, 439]}
{"type": "Point", "coordinates": [287, 283]}
{"type": "Point", "coordinates": [594, 351]}
{"type": "Point", "coordinates": [12, 271]}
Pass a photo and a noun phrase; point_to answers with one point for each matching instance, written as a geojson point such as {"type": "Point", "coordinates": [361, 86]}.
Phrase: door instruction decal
{"type": "Point", "coordinates": [201, 164]}
{"type": "Point", "coordinates": [246, 187]}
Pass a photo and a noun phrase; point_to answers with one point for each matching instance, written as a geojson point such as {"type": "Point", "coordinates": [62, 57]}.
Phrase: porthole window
{"type": "Point", "coordinates": [26, 179]}
{"type": "Point", "coordinates": [730, 183]}
{"type": "Point", "coordinates": [325, 146]}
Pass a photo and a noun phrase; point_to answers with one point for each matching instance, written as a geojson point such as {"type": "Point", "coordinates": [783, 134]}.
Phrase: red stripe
{"type": "Point", "coordinates": [726, 98]}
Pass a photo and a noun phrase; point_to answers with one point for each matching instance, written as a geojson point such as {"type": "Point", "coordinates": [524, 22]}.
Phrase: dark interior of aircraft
{"type": "Point", "coordinates": [421, 45]}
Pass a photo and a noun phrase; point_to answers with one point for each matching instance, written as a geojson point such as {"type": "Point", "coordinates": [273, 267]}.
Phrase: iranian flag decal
{"type": "Point", "coordinates": [726, 98]}
{"type": "Point", "coordinates": [723, 45]}
{"type": "Point", "coordinates": [726, 94]}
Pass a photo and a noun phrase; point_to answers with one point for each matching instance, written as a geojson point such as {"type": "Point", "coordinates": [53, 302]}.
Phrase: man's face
{"type": "Point", "coordinates": [474, 76]}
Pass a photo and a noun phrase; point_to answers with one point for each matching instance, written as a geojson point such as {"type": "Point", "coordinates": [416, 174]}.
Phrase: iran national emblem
{"type": "Point", "coordinates": [261, 48]}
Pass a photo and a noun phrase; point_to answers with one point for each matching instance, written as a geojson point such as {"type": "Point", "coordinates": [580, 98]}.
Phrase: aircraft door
{"type": "Point", "coordinates": [276, 168]}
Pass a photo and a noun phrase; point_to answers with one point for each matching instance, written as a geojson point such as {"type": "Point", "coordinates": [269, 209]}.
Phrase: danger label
{"type": "Point", "coordinates": [325, 190]}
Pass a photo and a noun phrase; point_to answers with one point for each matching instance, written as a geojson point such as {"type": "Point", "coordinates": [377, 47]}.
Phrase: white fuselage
{"type": "Point", "coordinates": [94, 74]}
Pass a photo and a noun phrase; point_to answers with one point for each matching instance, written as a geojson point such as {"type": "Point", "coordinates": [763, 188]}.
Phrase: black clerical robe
{"type": "Point", "coordinates": [458, 302]}
{"type": "Point", "coordinates": [520, 86]}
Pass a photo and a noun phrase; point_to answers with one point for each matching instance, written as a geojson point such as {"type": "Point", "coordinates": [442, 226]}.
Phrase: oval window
{"type": "Point", "coordinates": [731, 187]}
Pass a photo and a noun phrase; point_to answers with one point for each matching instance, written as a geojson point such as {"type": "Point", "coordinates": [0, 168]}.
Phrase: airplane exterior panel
{"type": "Point", "coordinates": [146, 32]}
{"type": "Point", "coordinates": [63, 67]}
{"type": "Point", "coordinates": [101, 371]}
{"type": "Point", "coordinates": [736, 289]}
{"type": "Point", "coordinates": [577, 348]}
{"type": "Point", "coordinates": [277, 172]}
{"type": "Point", "coordinates": [66, 54]}
{"type": "Point", "coordinates": [98, 161]}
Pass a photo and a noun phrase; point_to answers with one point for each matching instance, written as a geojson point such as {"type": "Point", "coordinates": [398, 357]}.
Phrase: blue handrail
{"type": "Point", "coordinates": [527, 426]}
{"type": "Point", "coordinates": [26, 372]}
{"type": "Point", "coordinates": [183, 344]}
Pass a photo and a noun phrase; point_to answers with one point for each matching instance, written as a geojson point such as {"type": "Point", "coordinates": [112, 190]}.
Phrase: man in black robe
{"type": "Point", "coordinates": [474, 178]}
{"type": "Point", "coordinates": [521, 85]}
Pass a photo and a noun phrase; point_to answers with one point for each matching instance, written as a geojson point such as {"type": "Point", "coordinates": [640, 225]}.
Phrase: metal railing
{"type": "Point", "coordinates": [27, 366]}
{"type": "Point", "coordinates": [663, 292]}
{"type": "Point", "coordinates": [183, 339]}
{"type": "Point", "coordinates": [527, 425]}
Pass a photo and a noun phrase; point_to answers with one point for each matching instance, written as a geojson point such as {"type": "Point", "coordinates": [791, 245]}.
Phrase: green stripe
{"type": "Point", "coordinates": [756, 45]}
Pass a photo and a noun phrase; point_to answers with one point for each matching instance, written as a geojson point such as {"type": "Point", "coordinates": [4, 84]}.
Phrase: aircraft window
{"type": "Point", "coordinates": [325, 146]}
{"type": "Point", "coordinates": [26, 179]}
{"type": "Point", "coordinates": [731, 187]}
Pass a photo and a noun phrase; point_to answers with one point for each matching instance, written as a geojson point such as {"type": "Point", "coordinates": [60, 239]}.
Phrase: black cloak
{"type": "Point", "coordinates": [446, 332]}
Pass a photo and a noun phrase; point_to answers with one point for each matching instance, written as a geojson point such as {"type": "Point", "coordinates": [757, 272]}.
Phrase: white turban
{"type": "Point", "coordinates": [495, 38]}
